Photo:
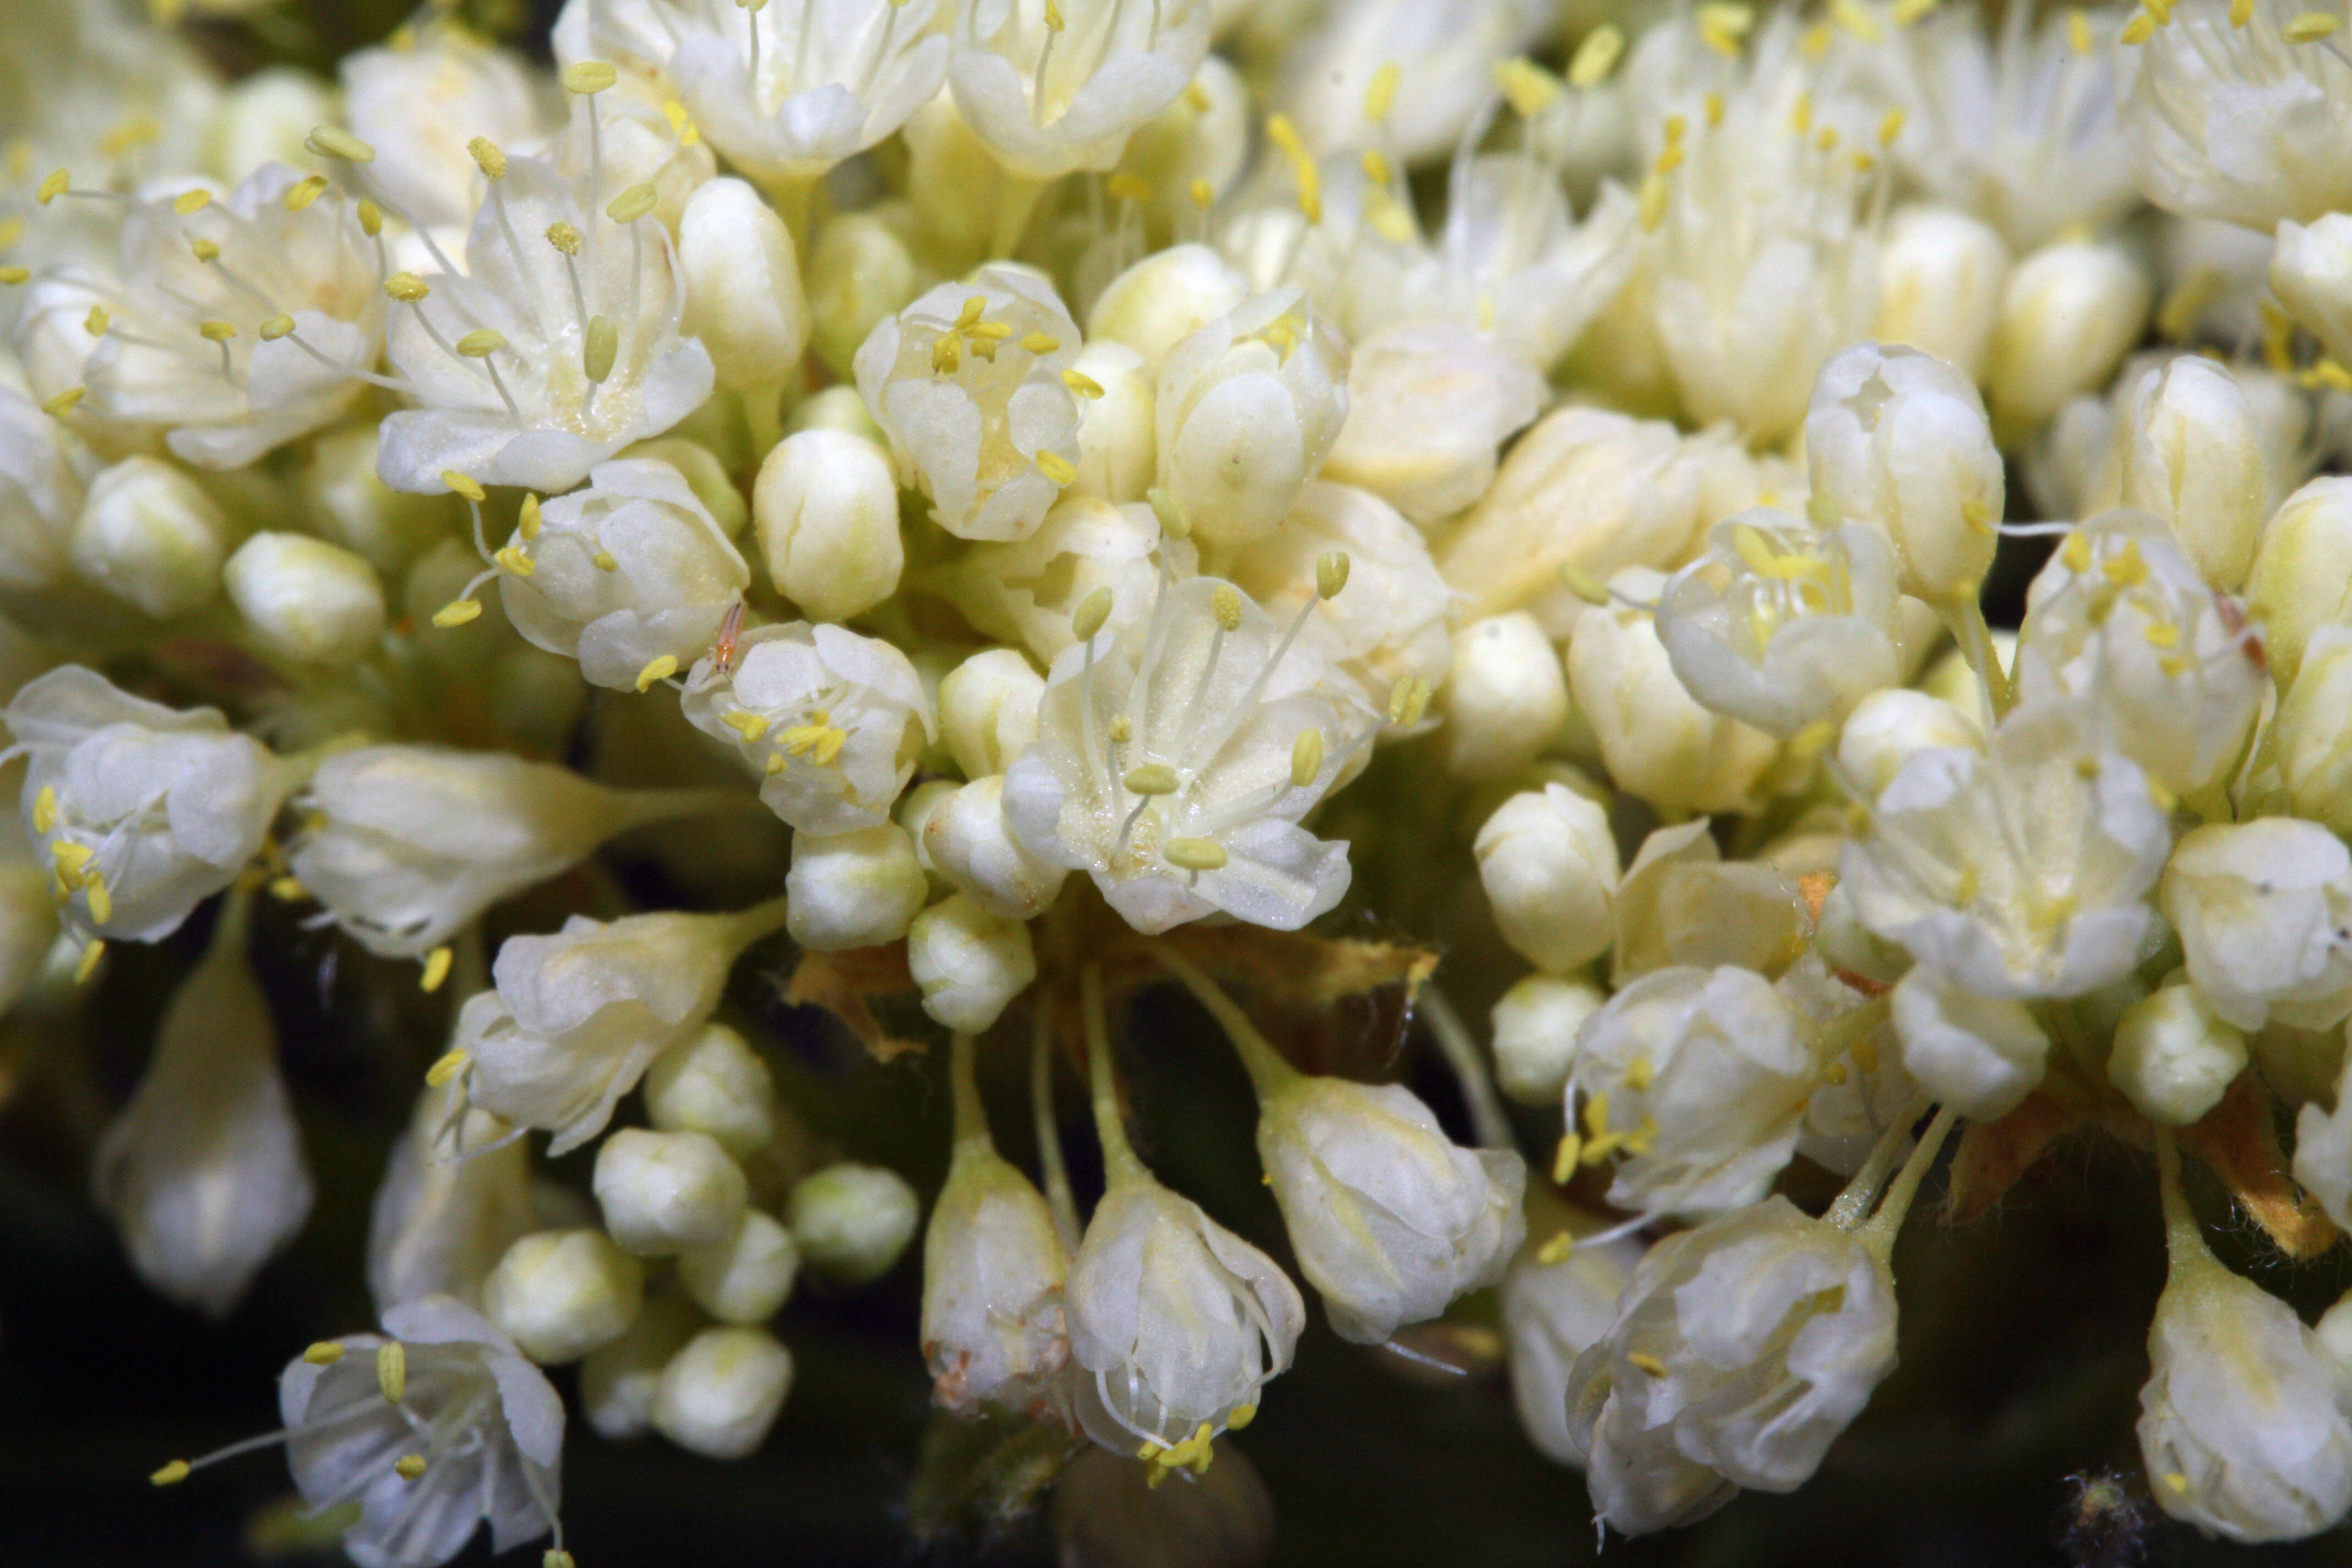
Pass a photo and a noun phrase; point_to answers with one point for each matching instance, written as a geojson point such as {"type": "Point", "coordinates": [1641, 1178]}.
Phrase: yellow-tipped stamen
{"type": "Point", "coordinates": [1092, 612]}
{"type": "Point", "coordinates": [326, 1352]}
{"type": "Point", "coordinates": [660, 668]}
{"type": "Point", "coordinates": [1648, 1363]}
{"type": "Point", "coordinates": [1596, 56]}
{"type": "Point", "coordinates": [513, 560]}
{"type": "Point", "coordinates": [392, 1370]}
{"type": "Point", "coordinates": [89, 965]}
{"type": "Point", "coordinates": [588, 77]}
{"type": "Point", "coordinates": [1225, 603]}
{"type": "Point", "coordinates": [464, 484]}
{"type": "Point", "coordinates": [1380, 94]}
{"type": "Point", "coordinates": [2309, 28]}
{"type": "Point", "coordinates": [172, 1475]}
{"type": "Point", "coordinates": [408, 1467]}
{"type": "Point", "coordinates": [1152, 778]}
{"type": "Point", "coordinates": [1556, 1249]}
{"type": "Point", "coordinates": [1306, 758]}
{"type": "Point", "coordinates": [1566, 1158]}
{"type": "Point", "coordinates": [633, 203]}
{"type": "Point", "coordinates": [436, 968]}
{"type": "Point", "coordinates": [449, 1067]}
{"type": "Point", "coordinates": [1194, 854]}
{"type": "Point", "coordinates": [334, 141]}
{"type": "Point", "coordinates": [45, 809]}
{"type": "Point", "coordinates": [1056, 467]}
{"type": "Point", "coordinates": [1332, 570]}
{"type": "Point", "coordinates": [457, 612]}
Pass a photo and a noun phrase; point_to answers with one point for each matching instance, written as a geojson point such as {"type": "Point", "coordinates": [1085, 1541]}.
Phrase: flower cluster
{"type": "Point", "coordinates": [804, 480]}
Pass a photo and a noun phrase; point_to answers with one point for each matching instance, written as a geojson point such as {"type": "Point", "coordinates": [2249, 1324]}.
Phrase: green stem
{"type": "Point", "coordinates": [963, 1083]}
{"type": "Point", "coordinates": [1853, 1204]}
{"type": "Point", "coordinates": [643, 807]}
{"type": "Point", "coordinates": [1879, 1231]}
{"type": "Point", "coordinates": [749, 926]}
{"type": "Point", "coordinates": [1968, 623]}
{"type": "Point", "coordinates": [1119, 1164]}
{"type": "Point", "coordinates": [1049, 1130]}
{"type": "Point", "coordinates": [2183, 1242]}
{"type": "Point", "coordinates": [1268, 1072]}
{"type": "Point", "coordinates": [1462, 1054]}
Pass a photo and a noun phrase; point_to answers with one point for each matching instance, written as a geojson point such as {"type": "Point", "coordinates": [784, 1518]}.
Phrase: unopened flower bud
{"type": "Point", "coordinates": [2310, 273]}
{"type": "Point", "coordinates": [2258, 906]}
{"type": "Point", "coordinates": [305, 600]}
{"type": "Point", "coordinates": [1940, 285]}
{"type": "Point", "coordinates": [745, 1277]}
{"type": "Point", "coordinates": [2069, 312]}
{"type": "Point", "coordinates": [1164, 298]}
{"type": "Point", "coordinates": [1505, 697]}
{"type": "Point", "coordinates": [1888, 726]}
{"type": "Point", "coordinates": [973, 846]}
{"type": "Point", "coordinates": [859, 888]}
{"type": "Point", "coordinates": [1549, 862]}
{"type": "Point", "coordinates": [2302, 577]}
{"type": "Point", "coordinates": [1119, 442]}
{"type": "Point", "coordinates": [713, 1083]}
{"type": "Point", "coordinates": [617, 1381]}
{"type": "Point", "coordinates": [1430, 404]}
{"type": "Point", "coordinates": [2174, 1056]}
{"type": "Point", "coordinates": [987, 710]}
{"type": "Point", "coordinates": [149, 534]}
{"type": "Point", "coordinates": [1535, 1028]}
{"type": "Point", "coordinates": [742, 284]}
{"type": "Point", "coordinates": [1980, 1054]}
{"type": "Point", "coordinates": [1248, 407]}
{"type": "Point", "coordinates": [852, 1221]}
{"type": "Point", "coordinates": [2195, 459]}
{"type": "Point", "coordinates": [720, 1393]}
{"type": "Point", "coordinates": [562, 1293]}
{"type": "Point", "coordinates": [667, 1192]}
{"type": "Point", "coordinates": [967, 962]}
{"type": "Point", "coordinates": [859, 274]}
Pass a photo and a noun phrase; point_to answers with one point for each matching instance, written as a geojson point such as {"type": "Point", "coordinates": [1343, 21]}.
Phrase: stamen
{"type": "Point", "coordinates": [436, 969]}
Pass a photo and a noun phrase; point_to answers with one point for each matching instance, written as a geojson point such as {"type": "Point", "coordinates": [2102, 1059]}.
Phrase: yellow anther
{"type": "Point", "coordinates": [1648, 1363]}
{"type": "Point", "coordinates": [974, 306]}
{"type": "Point", "coordinates": [135, 131]}
{"type": "Point", "coordinates": [1906, 12]}
{"type": "Point", "coordinates": [1152, 778]}
{"type": "Point", "coordinates": [216, 331]}
{"type": "Point", "coordinates": [2161, 634]}
{"type": "Point", "coordinates": [513, 560]}
{"type": "Point", "coordinates": [1376, 168]}
{"type": "Point", "coordinates": [2176, 1482]}
{"type": "Point", "coordinates": [277, 327]}
{"type": "Point", "coordinates": [305, 192]}
{"type": "Point", "coordinates": [288, 889]}
{"type": "Point", "coordinates": [600, 349]}
{"type": "Point", "coordinates": [588, 77]}
{"type": "Point", "coordinates": [1801, 114]}
{"type": "Point", "coordinates": [189, 202]}
{"type": "Point", "coordinates": [2241, 12]}
{"type": "Point", "coordinates": [1712, 106]}
{"type": "Point", "coordinates": [1083, 385]}
{"type": "Point", "coordinates": [2139, 30]}
{"type": "Point", "coordinates": [660, 668]}
{"type": "Point", "coordinates": [1054, 23]}
{"type": "Point", "coordinates": [487, 158]}
{"type": "Point", "coordinates": [1890, 126]}
{"type": "Point", "coordinates": [1037, 343]}
{"type": "Point", "coordinates": [1596, 56]}
{"type": "Point", "coordinates": [1637, 1074]}
{"type": "Point", "coordinates": [457, 612]}
{"type": "Point", "coordinates": [480, 343]}
{"type": "Point", "coordinates": [2309, 28]}
{"type": "Point", "coordinates": [436, 969]}
{"type": "Point", "coordinates": [1194, 854]}
{"type": "Point", "coordinates": [1851, 16]}
{"type": "Point", "coordinates": [775, 764]}
{"type": "Point", "coordinates": [101, 902]}
{"type": "Point", "coordinates": [1092, 612]}
{"type": "Point", "coordinates": [1306, 758]}
{"type": "Point", "coordinates": [752, 727]}
{"type": "Point", "coordinates": [55, 185]}
{"type": "Point", "coordinates": [1121, 731]}
{"type": "Point", "coordinates": [1723, 26]}
{"type": "Point", "coordinates": [13, 276]}
{"type": "Point", "coordinates": [2075, 553]}
{"type": "Point", "coordinates": [89, 965]}
{"type": "Point", "coordinates": [63, 403]}
{"type": "Point", "coordinates": [1203, 193]}
{"type": "Point", "coordinates": [1527, 87]}
{"type": "Point", "coordinates": [326, 1352]}
{"type": "Point", "coordinates": [1815, 41]}
{"type": "Point", "coordinates": [1408, 701]}
{"type": "Point", "coordinates": [170, 1475]}
{"type": "Point", "coordinates": [1225, 603]}
{"type": "Point", "coordinates": [1056, 467]}
{"type": "Point", "coordinates": [406, 287]}
{"type": "Point", "coordinates": [527, 518]}
{"type": "Point", "coordinates": [1556, 1249]}
{"type": "Point", "coordinates": [462, 485]}
{"type": "Point", "coordinates": [370, 218]}
{"type": "Point", "coordinates": [2329, 374]}
{"type": "Point", "coordinates": [2078, 26]}
{"type": "Point", "coordinates": [1332, 570]}
{"type": "Point", "coordinates": [555, 1556]}
{"type": "Point", "coordinates": [946, 355]}
{"type": "Point", "coordinates": [334, 141]}
{"type": "Point", "coordinates": [603, 561]}
{"type": "Point", "coordinates": [71, 857]}
{"type": "Point", "coordinates": [2126, 568]}
{"type": "Point", "coordinates": [1676, 128]}
{"type": "Point", "coordinates": [204, 250]}
{"type": "Point", "coordinates": [1129, 188]}
{"type": "Point", "coordinates": [1566, 1158]}
{"type": "Point", "coordinates": [1380, 93]}
{"type": "Point", "coordinates": [45, 809]}
{"type": "Point", "coordinates": [2159, 9]}
{"type": "Point", "coordinates": [633, 203]}
{"type": "Point", "coordinates": [1196, 97]}
{"type": "Point", "coordinates": [408, 1467]}
{"type": "Point", "coordinates": [1650, 209]}
{"type": "Point", "coordinates": [1243, 1415]}
{"type": "Point", "coordinates": [1596, 1115]}
{"type": "Point", "coordinates": [96, 321]}
{"type": "Point", "coordinates": [392, 1370]}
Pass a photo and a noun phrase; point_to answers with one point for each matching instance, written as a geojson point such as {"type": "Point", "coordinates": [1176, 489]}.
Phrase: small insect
{"type": "Point", "coordinates": [722, 652]}
{"type": "Point", "coordinates": [2233, 621]}
{"type": "Point", "coordinates": [2104, 1524]}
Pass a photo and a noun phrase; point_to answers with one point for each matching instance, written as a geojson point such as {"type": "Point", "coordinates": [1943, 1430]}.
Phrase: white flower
{"type": "Point", "coordinates": [994, 1267]}
{"type": "Point", "coordinates": [1506, 697]}
{"type": "Point", "coordinates": [1898, 439]}
{"type": "Point", "coordinates": [556, 348]}
{"type": "Point", "coordinates": [1443, 57]}
{"type": "Point", "coordinates": [560, 1294]}
{"type": "Point", "coordinates": [1389, 1218]}
{"type": "Point", "coordinates": [826, 511]}
{"type": "Point", "coordinates": [1429, 409]}
{"type": "Point", "coordinates": [2193, 455]}
{"type": "Point", "coordinates": [2020, 871]}
{"type": "Point", "coordinates": [486, 1423]}
{"type": "Point", "coordinates": [1741, 1350]}
{"type": "Point", "coordinates": [1027, 591]}
{"type": "Point", "coordinates": [241, 323]}
{"type": "Point", "coordinates": [452, 1200]}
{"type": "Point", "coordinates": [1702, 1077]}
{"type": "Point", "coordinates": [2245, 1423]}
{"type": "Point", "coordinates": [406, 844]}
{"type": "Point", "coordinates": [829, 721]}
{"type": "Point", "coordinates": [419, 105]}
{"type": "Point", "coordinates": [1939, 284]}
{"type": "Point", "coordinates": [1982, 1055]}
{"type": "Point", "coordinates": [1176, 1323]}
{"type": "Point", "coordinates": [2174, 1056]}
{"type": "Point", "coordinates": [1552, 1313]}
{"type": "Point", "coordinates": [852, 1221]}
{"type": "Point", "coordinates": [1864, 1089]}
{"type": "Point", "coordinates": [145, 812]}
{"type": "Point", "coordinates": [1548, 863]}
{"type": "Point", "coordinates": [720, 1395]}
{"type": "Point", "coordinates": [41, 490]}
{"type": "Point", "coordinates": [2120, 619]}
{"type": "Point", "coordinates": [2309, 734]}
{"type": "Point", "coordinates": [2069, 312]}
{"type": "Point", "coordinates": [2264, 909]}
{"type": "Point", "coordinates": [576, 1017]}
{"type": "Point", "coordinates": [859, 888]}
{"type": "Point", "coordinates": [1509, 262]}
{"type": "Point", "coordinates": [202, 1171]}
{"type": "Point", "coordinates": [2323, 1148]}
{"type": "Point", "coordinates": [1886, 727]}
{"type": "Point", "coordinates": [1782, 625]}
{"type": "Point", "coordinates": [968, 964]}
{"type": "Point", "coordinates": [2301, 578]}
{"type": "Point", "coordinates": [1051, 89]}
{"type": "Point", "coordinates": [1248, 407]}
{"type": "Point", "coordinates": [784, 92]}
{"type": "Point", "coordinates": [968, 384]}
{"type": "Point", "coordinates": [970, 842]}
{"type": "Point", "coordinates": [667, 1192]}
{"type": "Point", "coordinates": [1174, 759]}
{"type": "Point", "coordinates": [2247, 124]}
